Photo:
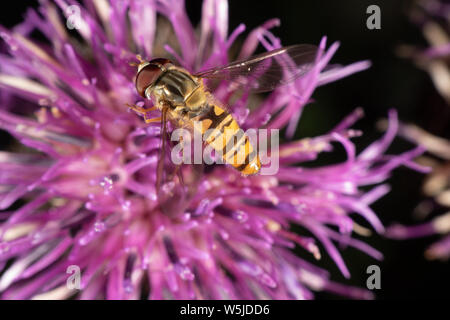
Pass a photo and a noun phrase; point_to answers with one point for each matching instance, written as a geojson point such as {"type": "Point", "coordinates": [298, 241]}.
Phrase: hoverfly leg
{"type": "Point", "coordinates": [140, 110]}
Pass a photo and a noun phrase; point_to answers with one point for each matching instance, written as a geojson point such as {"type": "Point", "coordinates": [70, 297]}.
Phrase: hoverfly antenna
{"type": "Point", "coordinates": [135, 64]}
{"type": "Point", "coordinates": [142, 63]}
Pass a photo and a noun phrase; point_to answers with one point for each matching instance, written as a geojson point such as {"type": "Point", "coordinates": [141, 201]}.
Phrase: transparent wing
{"type": "Point", "coordinates": [175, 184]}
{"type": "Point", "coordinates": [265, 72]}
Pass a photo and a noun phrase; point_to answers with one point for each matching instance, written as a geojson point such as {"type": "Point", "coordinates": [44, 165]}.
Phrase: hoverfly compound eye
{"type": "Point", "coordinates": [146, 77]}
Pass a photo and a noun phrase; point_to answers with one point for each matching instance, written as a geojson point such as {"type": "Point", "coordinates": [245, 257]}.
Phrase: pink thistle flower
{"type": "Point", "coordinates": [80, 191]}
{"type": "Point", "coordinates": [437, 190]}
{"type": "Point", "coordinates": [433, 17]}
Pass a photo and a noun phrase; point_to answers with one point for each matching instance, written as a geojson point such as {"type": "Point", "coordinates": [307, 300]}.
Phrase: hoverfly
{"type": "Point", "coordinates": [183, 98]}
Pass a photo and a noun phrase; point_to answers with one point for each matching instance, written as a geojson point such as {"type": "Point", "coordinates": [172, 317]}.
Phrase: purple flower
{"type": "Point", "coordinates": [437, 190]}
{"type": "Point", "coordinates": [433, 17]}
{"type": "Point", "coordinates": [79, 189]}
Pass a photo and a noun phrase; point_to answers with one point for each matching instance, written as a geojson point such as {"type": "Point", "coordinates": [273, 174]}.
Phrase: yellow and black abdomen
{"type": "Point", "coordinates": [224, 135]}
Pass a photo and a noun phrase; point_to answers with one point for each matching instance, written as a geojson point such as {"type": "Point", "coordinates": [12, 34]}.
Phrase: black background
{"type": "Point", "coordinates": [391, 82]}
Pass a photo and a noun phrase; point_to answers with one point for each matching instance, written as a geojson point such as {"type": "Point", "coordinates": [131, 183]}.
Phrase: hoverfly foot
{"type": "Point", "coordinates": [150, 120]}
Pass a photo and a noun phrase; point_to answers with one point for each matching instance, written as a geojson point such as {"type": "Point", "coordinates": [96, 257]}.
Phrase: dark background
{"type": "Point", "coordinates": [391, 82]}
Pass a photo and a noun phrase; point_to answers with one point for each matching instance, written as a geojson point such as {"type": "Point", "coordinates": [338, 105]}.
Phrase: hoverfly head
{"type": "Point", "coordinates": [149, 72]}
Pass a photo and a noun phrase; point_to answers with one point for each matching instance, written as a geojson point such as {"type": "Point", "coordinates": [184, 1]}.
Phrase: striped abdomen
{"type": "Point", "coordinates": [223, 134]}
